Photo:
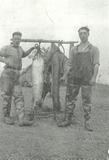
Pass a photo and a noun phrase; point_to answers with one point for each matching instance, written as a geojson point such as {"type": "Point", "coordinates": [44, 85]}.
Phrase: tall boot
{"type": "Point", "coordinates": [29, 114]}
{"type": "Point", "coordinates": [6, 109]}
{"type": "Point", "coordinates": [37, 108]}
{"type": "Point", "coordinates": [68, 115]}
{"type": "Point", "coordinates": [6, 118]}
{"type": "Point", "coordinates": [87, 112]}
{"type": "Point", "coordinates": [56, 110]}
{"type": "Point", "coordinates": [87, 124]}
{"type": "Point", "coordinates": [67, 121]}
{"type": "Point", "coordinates": [22, 119]}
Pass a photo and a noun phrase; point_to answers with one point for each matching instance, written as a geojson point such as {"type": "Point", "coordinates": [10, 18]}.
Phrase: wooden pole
{"type": "Point", "coordinates": [48, 41]}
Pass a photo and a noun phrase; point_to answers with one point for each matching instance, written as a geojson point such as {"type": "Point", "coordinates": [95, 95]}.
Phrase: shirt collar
{"type": "Point", "coordinates": [86, 48]}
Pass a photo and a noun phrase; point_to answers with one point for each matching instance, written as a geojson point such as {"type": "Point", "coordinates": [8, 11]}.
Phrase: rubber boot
{"type": "Point", "coordinates": [67, 121]}
{"type": "Point", "coordinates": [56, 112]}
{"type": "Point", "coordinates": [29, 114]}
{"type": "Point", "coordinates": [8, 120]}
{"type": "Point", "coordinates": [6, 117]}
{"type": "Point", "coordinates": [87, 126]}
{"type": "Point", "coordinates": [23, 120]}
{"type": "Point", "coordinates": [87, 112]}
{"type": "Point", "coordinates": [6, 109]}
{"type": "Point", "coordinates": [57, 115]}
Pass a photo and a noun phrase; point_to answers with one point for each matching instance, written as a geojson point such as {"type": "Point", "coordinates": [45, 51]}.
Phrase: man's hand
{"type": "Point", "coordinates": [3, 60]}
{"type": "Point", "coordinates": [93, 81]}
{"type": "Point", "coordinates": [32, 48]}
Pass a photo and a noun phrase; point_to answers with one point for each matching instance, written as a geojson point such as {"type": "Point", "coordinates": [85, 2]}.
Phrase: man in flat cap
{"type": "Point", "coordinates": [81, 72]}
{"type": "Point", "coordinates": [12, 56]}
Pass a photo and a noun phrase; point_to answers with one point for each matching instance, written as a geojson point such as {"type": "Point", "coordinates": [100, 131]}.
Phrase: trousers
{"type": "Point", "coordinates": [10, 87]}
{"type": "Point", "coordinates": [71, 97]}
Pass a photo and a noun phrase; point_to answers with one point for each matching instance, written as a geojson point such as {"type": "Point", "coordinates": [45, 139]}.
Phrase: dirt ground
{"type": "Point", "coordinates": [45, 141]}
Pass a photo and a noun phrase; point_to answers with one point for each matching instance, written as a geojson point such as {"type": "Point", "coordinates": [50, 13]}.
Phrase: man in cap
{"type": "Point", "coordinates": [12, 56]}
{"type": "Point", "coordinates": [81, 72]}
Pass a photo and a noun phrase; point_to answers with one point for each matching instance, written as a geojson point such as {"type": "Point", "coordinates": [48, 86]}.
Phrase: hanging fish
{"type": "Point", "coordinates": [37, 75]}
{"type": "Point", "coordinates": [40, 60]}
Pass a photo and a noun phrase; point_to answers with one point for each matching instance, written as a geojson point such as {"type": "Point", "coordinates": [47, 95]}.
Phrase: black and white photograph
{"type": "Point", "coordinates": [54, 80]}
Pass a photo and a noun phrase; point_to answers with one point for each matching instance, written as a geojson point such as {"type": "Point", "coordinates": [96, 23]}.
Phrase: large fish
{"type": "Point", "coordinates": [40, 60]}
{"type": "Point", "coordinates": [37, 76]}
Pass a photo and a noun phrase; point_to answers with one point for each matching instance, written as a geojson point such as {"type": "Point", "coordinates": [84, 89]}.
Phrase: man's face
{"type": "Point", "coordinates": [16, 40]}
{"type": "Point", "coordinates": [83, 35]}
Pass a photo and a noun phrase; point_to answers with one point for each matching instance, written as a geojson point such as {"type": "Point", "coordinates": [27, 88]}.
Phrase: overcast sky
{"type": "Point", "coordinates": [58, 19]}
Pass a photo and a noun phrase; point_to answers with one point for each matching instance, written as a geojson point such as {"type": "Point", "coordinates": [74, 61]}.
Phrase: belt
{"type": "Point", "coordinates": [13, 68]}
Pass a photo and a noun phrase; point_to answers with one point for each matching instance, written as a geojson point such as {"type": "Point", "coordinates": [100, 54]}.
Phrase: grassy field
{"type": "Point", "coordinates": [45, 141]}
